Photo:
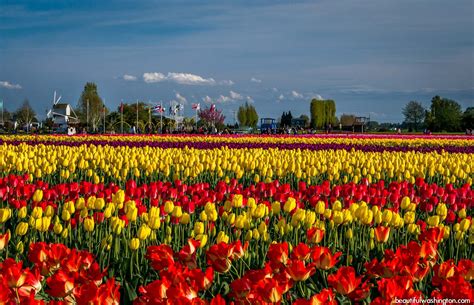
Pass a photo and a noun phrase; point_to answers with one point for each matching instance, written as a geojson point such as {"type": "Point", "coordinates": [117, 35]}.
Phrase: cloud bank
{"type": "Point", "coordinates": [8, 85]}
{"type": "Point", "coordinates": [129, 77]}
{"type": "Point", "coordinates": [182, 79]}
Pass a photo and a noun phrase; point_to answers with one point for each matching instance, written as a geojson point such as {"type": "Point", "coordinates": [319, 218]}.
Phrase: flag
{"type": "Point", "coordinates": [121, 107]}
{"type": "Point", "coordinates": [213, 107]}
{"type": "Point", "coordinates": [196, 106]}
{"type": "Point", "coordinates": [158, 108]}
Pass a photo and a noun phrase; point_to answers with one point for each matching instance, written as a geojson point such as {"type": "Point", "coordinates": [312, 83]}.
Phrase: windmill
{"type": "Point", "coordinates": [62, 114]}
{"type": "Point", "coordinates": [51, 112]}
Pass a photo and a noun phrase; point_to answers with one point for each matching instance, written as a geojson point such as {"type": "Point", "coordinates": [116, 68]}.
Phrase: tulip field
{"type": "Point", "coordinates": [194, 219]}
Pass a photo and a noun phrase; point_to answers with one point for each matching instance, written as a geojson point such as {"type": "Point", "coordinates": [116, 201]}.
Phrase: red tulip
{"type": "Point", "coordinates": [345, 282]}
{"type": "Point", "coordinates": [323, 257]}
{"type": "Point", "coordinates": [381, 234]}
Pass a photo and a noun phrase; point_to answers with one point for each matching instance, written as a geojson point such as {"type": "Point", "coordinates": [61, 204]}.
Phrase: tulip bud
{"type": "Point", "coordinates": [203, 216]}
{"type": "Point", "coordinates": [169, 207]}
{"type": "Point", "coordinates": [185, 219]}
{"type": "Point", "coordinates": [20, 247]}
{"type": "Point", "coordinates": [320, 207]}
{"type": "Point", "coordinates": [38, 195]}
{"type": "Point", "coordinates": [464, 224]}
{"type": "Point", "coordinates": [349, 234]}
{"type": "Point", "coordinates": [327, 213]}
{"type": "Point", "coordinates": [22, 212]}
{"type": "Point", "coordinates": [462, 213]}
{"type": "Point", "coordinates": [231, 219]}
{"type": "Point", "coordinates": [248, 236]}
{"type": "Point", "coordinates": [405, 202]}
{"type": "Point", "coordinates": [134, 244]}
{"type": "Point", "coordinates": [143, 232]}
{"type": "Point", "coordinates": [337, 206]}
{"type": "Point", "coordinates": [21, 229]}
{"type": "Point", "coordinates": [290, 205]}
{"type": "Point", "coordinates": [237, 201]}
{"type": "Point", "coordinates": [338, 217]}
{"type": "Point", "coordinates": [198, 228]}
{"type": "Point", "coordinates": [49, 211]}
{"type": "Point", "coordinates": [89, 224]}
{"type": "Point", "coordinates": [177, 212]}
{"type": "Point", "coordinates": [276, 208]}
{"type": "Point", "coordinates": [222, 237]}
{"type": "Point", "coordinates": [203, 240]}
{"type": "Point", "coordinates": [57, 228]}
{"type": "Point", "coordinates": [387, 216]}
{"type": "Point", "coordinates": [37, 212]}
{"type": "Point", "coordinates": [459, 235]}
{"type": "Point", "coordinates": [65, 215]}
{"type": "Point", "coordinates": [433, 221]}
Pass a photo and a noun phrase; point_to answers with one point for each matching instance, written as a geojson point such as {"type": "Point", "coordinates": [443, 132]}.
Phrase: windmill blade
{"type": "Point", "coordinates": [57, 101]}
{"type": "Point", "coordinates": [54, 97]}
{"type": "Point", "coordinates": [48, 114]}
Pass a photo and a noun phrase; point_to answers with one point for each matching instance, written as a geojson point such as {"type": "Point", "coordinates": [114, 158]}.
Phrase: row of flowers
{"type": "Point", "coordinates": [119, 225]}
{"type": "Point", "coordinates": [56, 274]}
{"type": "Point", "coordinates": [166, 144]}
{"type": "Point", "coordinates": [289, 275]}
{"type": "Point", "coordinates": [107, 163]}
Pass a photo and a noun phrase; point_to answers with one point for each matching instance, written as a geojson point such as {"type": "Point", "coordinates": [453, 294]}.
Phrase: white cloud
{"type": "Point", "coordinates": [189, 79]}
{"type": "Point", "coordinates": [250, 99]}
{"type": "Point", "coordinates": [129, 77]}
{"type": "Point", "coordinates": [296, 94]}
{"type": "Point", "coordinates": [255, 80]}
{"type": "Point", "coordinates": [226, 82]}
{"type": "Point", "coordinates": [235, 95]}
{"type": "Point", "coordinates": [275, 89]}
{"type": "Point", "coordinates": [153, 77]}
{"type": "Point", "coordinates": [281, 97]}
{"type": "Point", "coordinates": [223, 99]}
{"type": "Point", "coordinates": [8, 85]}
{"type": "Point", "coordinates": [181, 78]}
{"type": "Point", "coordinates": [181, 99]}
{"type": "Point", "coordinates": [207, 99]}
{"type": "Point", "coordinates": [318, 97]}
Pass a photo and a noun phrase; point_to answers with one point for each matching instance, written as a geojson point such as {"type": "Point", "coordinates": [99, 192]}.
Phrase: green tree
{"type": "Point", "coordinates": [306, 119]}
{"type": "Point", "coordinates": [468, 118]}
{"type": "Point", "coordinates": [242, 116]}
{"type": "Point", "coordinates": [444, 115]}
{"type": "Point", "coordinates": [25, 115]}
{"type": "Point", "coordinates": [329, 112]}
{"type": "Point", "coordinates": [317, 113]}
{"type": "Point", "coordinates": [91, 107]}
{"type": "Point", "coordinates": [414, 113]}
{"type": "Point", "coordinates": [247, 115]}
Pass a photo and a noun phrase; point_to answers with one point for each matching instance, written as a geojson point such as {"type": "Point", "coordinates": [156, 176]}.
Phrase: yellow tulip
{"type": "Point", "coordinates": [89, 224]}
{"type": "Point", "coordinates": [134, 244]}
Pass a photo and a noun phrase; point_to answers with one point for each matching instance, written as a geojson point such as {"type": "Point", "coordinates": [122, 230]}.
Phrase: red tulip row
{"type": "Point", "coordinates": [18, 192]}
{"type": "Point", "coordinates": [59, 274]}
{"type": "Point", "coordinates": [301, 271]}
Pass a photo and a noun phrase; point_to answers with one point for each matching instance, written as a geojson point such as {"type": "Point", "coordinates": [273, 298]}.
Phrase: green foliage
{"type": "Point", "coordinates": [444, 115]}
{"type": "Point", "coordinates": [247, 115]}
{"type": "Point", "coordinates": [323, 112]}
{"type": "Point", "coordinates": [414, 113]}
{"type": "Point", "coordinates": [90, 106]}
{"type": "Point", "coordinates": [25, 114]}
{"type": "Point", "coordinates": [286, 118]}
{"type": "Point", "coordinates": [468, 118]}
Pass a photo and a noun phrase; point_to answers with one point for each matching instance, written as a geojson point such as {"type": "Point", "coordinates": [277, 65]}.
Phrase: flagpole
{"type": "Point", "coordinates": [87, 119]}
{"type": "Point", "coordinates": [161, 117]}
{"type": "Point", "coordinates": [121, 116]}
{"type": "Point", "coordinates": [104, 115]}
{"type": "Point", "coordinates": [3, 123]}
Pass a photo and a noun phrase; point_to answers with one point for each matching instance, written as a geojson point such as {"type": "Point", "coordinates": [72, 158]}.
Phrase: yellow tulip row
{"type": "Point", "coordinates": [414, 141]}
{"type": "Point", "coordinates": [121, 163]}
{"type": "Point", "coordinates": [256, 221]}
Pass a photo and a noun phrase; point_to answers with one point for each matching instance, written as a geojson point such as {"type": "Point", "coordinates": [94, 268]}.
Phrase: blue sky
{"type": "Point", "coordinates": [370, 56]}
